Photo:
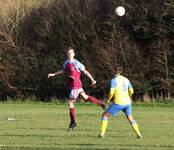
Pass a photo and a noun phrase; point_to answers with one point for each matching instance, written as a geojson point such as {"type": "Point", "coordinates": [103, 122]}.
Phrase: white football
{"type": "Point", "coordinates": [120, 11]}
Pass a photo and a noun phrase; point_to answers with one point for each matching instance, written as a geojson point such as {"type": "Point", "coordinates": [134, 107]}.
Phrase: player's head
{"type": "Point", "coordinates": [118, 69]}
{"type": "Point", "coordinates": [70, 53]}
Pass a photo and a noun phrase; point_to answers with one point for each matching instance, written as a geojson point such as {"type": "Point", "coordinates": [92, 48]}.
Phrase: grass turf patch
{"type": "Point", "coordinates": [44, 126]}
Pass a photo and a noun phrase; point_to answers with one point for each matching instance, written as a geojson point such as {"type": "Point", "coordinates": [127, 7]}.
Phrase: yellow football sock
{"type": "Point", "coordinates": [104, 125]}
{"type": "Point", "coordinates": [136, 128]}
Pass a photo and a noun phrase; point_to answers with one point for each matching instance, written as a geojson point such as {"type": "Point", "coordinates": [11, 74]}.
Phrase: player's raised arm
{"type": "Point", "coordinates": [55, 74]}
{"type": "Point", "coordinates": [89, 76]}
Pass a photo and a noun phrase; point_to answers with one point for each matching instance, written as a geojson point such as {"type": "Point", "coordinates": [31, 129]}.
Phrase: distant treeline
{"type": "Point", "coordinates": [34, 35]}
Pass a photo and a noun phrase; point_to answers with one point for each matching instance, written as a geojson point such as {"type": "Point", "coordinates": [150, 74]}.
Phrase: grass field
{"type": "Point", "coordinates": [43, 127]}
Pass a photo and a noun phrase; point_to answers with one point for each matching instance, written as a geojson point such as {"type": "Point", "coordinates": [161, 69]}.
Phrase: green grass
{"type": "Point", "coordinates": [43, 127]}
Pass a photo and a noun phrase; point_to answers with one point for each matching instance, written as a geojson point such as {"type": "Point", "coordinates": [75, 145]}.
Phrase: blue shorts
{"type": "Point", "coordinates": [114, 109]}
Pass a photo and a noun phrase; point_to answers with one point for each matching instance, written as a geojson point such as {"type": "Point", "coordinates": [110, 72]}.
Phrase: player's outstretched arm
{"type": "Point", "coordinates": [55, 74]}
{"type": "Point", "coordinates": [89, 76]}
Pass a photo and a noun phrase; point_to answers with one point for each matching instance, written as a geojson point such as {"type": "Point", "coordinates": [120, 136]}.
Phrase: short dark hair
{"type": "Point", "coordinates": [118, 69]}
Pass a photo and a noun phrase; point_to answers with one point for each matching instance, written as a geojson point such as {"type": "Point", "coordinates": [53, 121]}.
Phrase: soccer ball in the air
{"type": "Point", "coordinates": [120, 11]}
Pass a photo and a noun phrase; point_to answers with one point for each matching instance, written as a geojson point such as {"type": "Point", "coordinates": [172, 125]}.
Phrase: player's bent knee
{"type": "Point", "coordinates": [71, 103]}
{"type": "Point", "coordinates": [105, 115]}
{"type": "Point", "coordinates": [130, 118]}
{"type": "Point", "coordinates": [84, 95]}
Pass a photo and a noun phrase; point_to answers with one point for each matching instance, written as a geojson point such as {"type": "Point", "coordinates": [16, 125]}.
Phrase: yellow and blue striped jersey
{"type": "Point", "coordinates": [121, 89]}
